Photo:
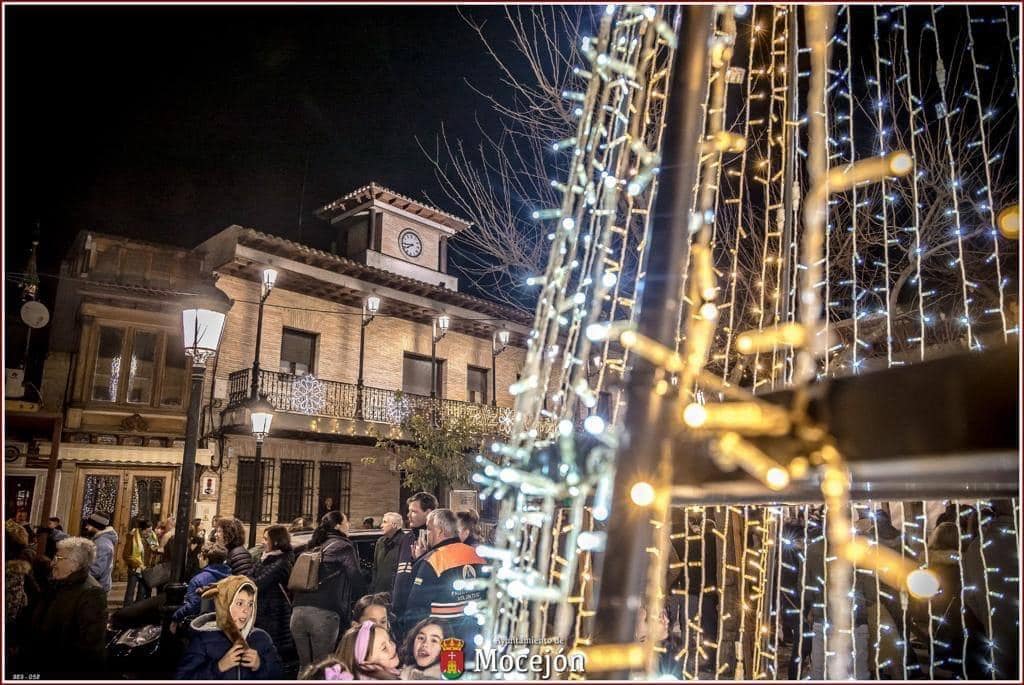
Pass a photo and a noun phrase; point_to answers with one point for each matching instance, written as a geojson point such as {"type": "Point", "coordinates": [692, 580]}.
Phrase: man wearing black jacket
{"type": "Point", "coordinates": [420, 504]}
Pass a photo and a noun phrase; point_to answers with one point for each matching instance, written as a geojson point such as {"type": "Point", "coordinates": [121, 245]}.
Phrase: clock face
{"type": "Point", "coordinates": [410, 243]}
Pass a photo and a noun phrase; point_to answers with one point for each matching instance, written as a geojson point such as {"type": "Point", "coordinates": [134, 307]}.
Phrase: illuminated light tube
{"type": "Point", "coordinates": [891, 568]}
{"type": "Point", "coordinates": [1009, 222]}
{"type": "Point", "coordinates": [732, 451]}
{"type": "Point", "coordinates": [725, 141]}
{"type": "Point", "coordinates": [613, 657]}
{"type": "Point", "coordinates": [747, 418]}
{"type": "Point", "coordinates": [651, 350]}
{"type": "Point", "coordinates": [754, 342]}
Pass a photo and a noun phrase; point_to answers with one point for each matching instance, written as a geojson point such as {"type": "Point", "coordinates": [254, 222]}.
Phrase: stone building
{"type": "Point", "coordinates": [117, 373]}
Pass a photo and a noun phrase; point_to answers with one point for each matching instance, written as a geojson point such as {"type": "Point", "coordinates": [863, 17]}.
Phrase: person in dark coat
{"type": "Point", "coordinates": [226, 644]}
{"type": "Point", "coordinates": [216, 570]}
{"type": "Point", "coordinates": [469, 527]}
{"type": "Point", "coordinates": [63, 634]}
{"type": "Point", "coordinates": [231, 533]}
{"type": "Point", "coordinates": [420, 505]}
{"type": "Point", "coordinates": [385, 553]}
{"type": "Point", "coordinates": [320, 614]}
{"type": "Point", "coordinates": [274, 613]}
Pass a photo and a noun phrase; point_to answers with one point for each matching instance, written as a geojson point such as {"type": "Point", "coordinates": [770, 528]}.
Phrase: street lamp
{"type": "Point", "coordinates": [498, 345]}
{"type": "Point", "coordinates": [269, 278]}
{"type": "Point", "coordinates": [261, 414]}
{"type": "Point", "coordinates": [441, 324]}
{"type": "Point", "coordinates": [202, 319]}
{"type": "Point", "coordinates": [370, 308]}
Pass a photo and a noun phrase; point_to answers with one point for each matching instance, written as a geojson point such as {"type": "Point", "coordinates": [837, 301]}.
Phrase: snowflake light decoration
{"type": "Point", "coordinates": [309, 395]}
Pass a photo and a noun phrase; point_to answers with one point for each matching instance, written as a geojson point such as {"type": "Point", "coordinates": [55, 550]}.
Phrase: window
{"type": "Point", "coordinates": [246, 485]}
{"type": "Point", "coordinates": [296, 490]}
{"type": "Point", "coordinates": [172, 388]}
{"type": "Point", "coordinates": [416, 375]}
{"type": "Point", "coordinates": [335, 487]}
{"type": "Point", "coordinates": [107, 372]}
{"type": "Point", "coordinates": [476, 385]}
{"type": "Point", "coordinates": [298, 351]}
{"type": "Point", "coordinates": [141, 368]}
{"type": "Point", "coordinates": [138, 366]}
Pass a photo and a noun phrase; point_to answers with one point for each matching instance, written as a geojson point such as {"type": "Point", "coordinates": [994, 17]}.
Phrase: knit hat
{"type": "Point", "coordinates": [99, 520]}
{"type": "Point", "coordinates": [223, 592]}
{"type": "Point", "coordinates": [16, 531]}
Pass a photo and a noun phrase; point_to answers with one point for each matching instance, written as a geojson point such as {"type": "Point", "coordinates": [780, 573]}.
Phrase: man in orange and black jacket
{"type": "Point", "coordinates": [434, 575]}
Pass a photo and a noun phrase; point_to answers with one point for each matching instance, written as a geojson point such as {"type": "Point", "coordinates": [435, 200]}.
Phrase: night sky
{"type": "Point", "coordinates": [171, 123]}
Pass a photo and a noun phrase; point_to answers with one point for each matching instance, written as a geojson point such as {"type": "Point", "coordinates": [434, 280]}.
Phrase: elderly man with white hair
{"type": "Point", "coordinates": [435, 593]}
{"type": "Point", "coordinates": [64, 633]}
{"type": "Point", "coordinates": [385, 553]}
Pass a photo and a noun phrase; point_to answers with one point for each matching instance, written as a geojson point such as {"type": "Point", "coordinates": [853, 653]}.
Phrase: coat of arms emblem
{"type": "Point", "coordinates": [453, 661]}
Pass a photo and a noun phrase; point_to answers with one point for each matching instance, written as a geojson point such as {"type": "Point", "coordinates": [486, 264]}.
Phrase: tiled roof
{"type": "Point", "coordinates": [379, 192]}
{"type": "Point", "coordinates": [259, 240]}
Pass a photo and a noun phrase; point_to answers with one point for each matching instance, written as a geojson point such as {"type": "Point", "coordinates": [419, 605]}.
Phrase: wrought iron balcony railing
{"type": "Point", "coordinates": [317, 397]}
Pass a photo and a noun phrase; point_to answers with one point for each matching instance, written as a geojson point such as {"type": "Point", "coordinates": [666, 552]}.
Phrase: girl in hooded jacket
{"type": "Point", "coordinates": [225, 643]}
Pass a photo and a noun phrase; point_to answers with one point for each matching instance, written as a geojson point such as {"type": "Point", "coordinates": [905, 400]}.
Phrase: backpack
{"type": "Point", "coordinates": [305, 575]}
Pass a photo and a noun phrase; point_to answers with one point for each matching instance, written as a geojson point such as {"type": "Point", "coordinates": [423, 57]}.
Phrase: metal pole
{"type": "Point", "coordinates": [433, 365]}
{"type": "Point", "coordinates": [257, 499]}
{"type": "Point", "coordinates": [359, 381]}
{"type": "Point", "coordinates": [254, 386]}
{"type": "Point", "coordinates": [494, 376]}
{"type": "Point", "coordinates": [644, 453]}
{"type": "Point", "coordinates": [188, 476]}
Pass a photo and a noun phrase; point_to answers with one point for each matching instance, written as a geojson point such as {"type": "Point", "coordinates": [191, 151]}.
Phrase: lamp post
{"type": "Point", "coordinates": [441, 324]}
{"type": "Point", "coordinates": [370, 308]}
{"type": "Point", "coordinates": [440, 328]}
{"type": "Point", "coordinates": [202, 323]}
{"type": "Point", "coordinates": [202, 320]}
{"type": "Point", "coordinates": [498, 345]}
{"type": "Point", "coordinates": [269, 278]}
{"type": "Point", "coordinates": [261, 414]}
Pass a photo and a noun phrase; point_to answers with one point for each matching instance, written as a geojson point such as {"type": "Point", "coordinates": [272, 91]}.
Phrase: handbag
{"type": "Point", "coordinates": [157, 576]}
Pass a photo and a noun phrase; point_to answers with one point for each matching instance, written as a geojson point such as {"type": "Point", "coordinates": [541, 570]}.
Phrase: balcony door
{"type": "Point", "coordinates": [416, 375]}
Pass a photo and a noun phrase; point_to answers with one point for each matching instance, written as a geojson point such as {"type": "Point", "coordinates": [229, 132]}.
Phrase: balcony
{"type": "Point", "coordinates": [339, 403]}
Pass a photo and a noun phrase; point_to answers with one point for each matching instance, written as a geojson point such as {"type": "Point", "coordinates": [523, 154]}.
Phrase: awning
{"type": "Point", "coordinates": [124, 454]}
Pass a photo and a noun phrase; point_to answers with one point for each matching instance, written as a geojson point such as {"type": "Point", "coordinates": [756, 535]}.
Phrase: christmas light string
{"type": "Point", "coordinates": [954, 180]}
{"type": "Point", "coordinates": [979, 506]}
{"type": "Point", "coordinates": [776, 71]}
{"type": "Point", "coordinates": [963, 586]}
{"type": "Point", "coordinates": [741, 225]}
{"type": "Point", "coordinates": [789, 115]}
{"type": "Point", "coordinates": [914, 107]}
{"type": "Point", "coordinates": [851, 159]}
{"type": "Point", "coordinates": [983, 116]}
{"type": "Point", "coordinates": [880, 106]}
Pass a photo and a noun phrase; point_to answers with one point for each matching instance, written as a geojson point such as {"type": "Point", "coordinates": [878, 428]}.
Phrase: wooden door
{"type": "Point", "coordinates": [122, 494]}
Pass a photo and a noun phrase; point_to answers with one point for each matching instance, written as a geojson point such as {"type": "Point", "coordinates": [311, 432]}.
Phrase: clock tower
{"type": "Point", "coordinates": [380, 228]}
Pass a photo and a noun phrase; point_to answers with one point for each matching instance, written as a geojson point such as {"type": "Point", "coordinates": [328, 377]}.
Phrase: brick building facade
{"type": "Point", "coordinates": [116, 371]}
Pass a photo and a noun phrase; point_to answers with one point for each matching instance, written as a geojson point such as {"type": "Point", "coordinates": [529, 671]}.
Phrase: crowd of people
{"type": "Point", "coordinates": [315, 610]}
{"type": "Point", "coordinates": [288, 611]}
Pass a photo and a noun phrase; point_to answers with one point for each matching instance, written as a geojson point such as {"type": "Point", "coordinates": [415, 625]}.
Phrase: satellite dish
{"type": "Point", "coordinates": [35, 314]}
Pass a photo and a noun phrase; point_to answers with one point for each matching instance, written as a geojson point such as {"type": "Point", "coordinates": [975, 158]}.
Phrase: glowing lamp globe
{"type": "Point", "coordinates": [261, 415]}
{"type": "Point", "coordinates": [202, 322]}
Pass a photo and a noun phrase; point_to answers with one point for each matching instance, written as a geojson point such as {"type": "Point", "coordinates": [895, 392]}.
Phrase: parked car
{"type": "Point", "coordinates": [364, 540]}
